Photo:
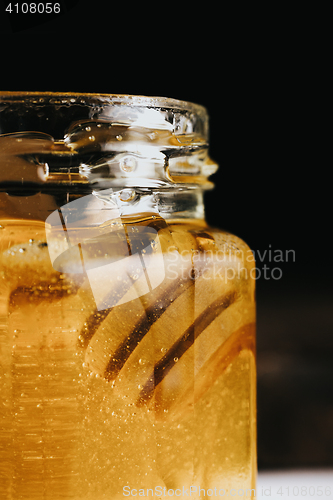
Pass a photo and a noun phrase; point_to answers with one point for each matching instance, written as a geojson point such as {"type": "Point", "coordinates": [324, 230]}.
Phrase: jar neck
{"type": "Point", "coordinates": [145, 154]}
{"type": "Point", "coordinates": [167, 204]}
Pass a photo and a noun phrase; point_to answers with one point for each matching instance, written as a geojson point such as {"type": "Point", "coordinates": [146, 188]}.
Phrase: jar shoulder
{"type": "Point", "coordinates": [199, 236]}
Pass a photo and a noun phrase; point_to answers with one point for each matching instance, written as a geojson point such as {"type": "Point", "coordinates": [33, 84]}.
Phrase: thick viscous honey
{"type": "Point", "coordinates": [127, 324]}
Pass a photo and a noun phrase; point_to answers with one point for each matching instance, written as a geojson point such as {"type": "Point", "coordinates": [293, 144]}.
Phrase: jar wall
{"type": "Point", "coordinates": [127, 341]}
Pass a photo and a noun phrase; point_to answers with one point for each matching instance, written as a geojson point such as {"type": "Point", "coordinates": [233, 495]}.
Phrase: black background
{"type": "Point", "coordinates": [261, 77]}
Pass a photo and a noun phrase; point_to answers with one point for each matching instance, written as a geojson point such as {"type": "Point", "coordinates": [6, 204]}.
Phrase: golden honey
{"type": "Point", "coordinates": [127, 324]}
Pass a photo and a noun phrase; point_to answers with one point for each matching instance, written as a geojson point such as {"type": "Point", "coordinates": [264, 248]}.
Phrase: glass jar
{"type": "Point", "coordinates": [127, 324]}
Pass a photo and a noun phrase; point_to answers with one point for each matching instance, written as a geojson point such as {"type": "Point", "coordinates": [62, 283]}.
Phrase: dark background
{"type": "Point", "coordinates": [262, 84]}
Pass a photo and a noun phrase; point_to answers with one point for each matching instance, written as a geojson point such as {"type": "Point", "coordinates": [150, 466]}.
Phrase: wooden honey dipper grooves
{"type": "Point", "coordinates": [167, 323]}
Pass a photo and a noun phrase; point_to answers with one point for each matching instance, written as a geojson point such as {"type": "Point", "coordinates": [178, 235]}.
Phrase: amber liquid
{"type": "Point", "coordinates": [156, 392]}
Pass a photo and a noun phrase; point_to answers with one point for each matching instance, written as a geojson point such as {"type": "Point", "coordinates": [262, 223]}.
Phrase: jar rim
{"type": "Point", "coordinates": [95, 135]}
{"type": "Point", "coordinates": [125, 99]}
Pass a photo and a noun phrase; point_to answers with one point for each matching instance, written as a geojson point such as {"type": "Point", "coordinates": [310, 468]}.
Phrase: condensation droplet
{"type": "Point", "coordinates": [152, 136]}
{"type": "Point", "coordinates": [128, 164]}
{"type": "Point", "coordinates": [127, 195]}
